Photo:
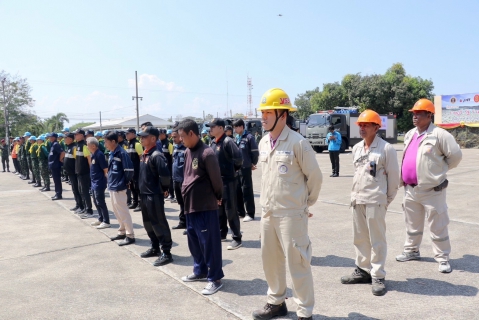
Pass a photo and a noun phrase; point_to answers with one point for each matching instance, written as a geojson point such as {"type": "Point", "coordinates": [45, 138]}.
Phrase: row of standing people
{"type": "Point", "coordinates": [291, 181]}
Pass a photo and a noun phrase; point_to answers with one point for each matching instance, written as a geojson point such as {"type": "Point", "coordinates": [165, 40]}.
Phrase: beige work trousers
{"type": "Point", "coordinates": [122, 213]}
{"type": "Point", "coordinates": [285, 240]}
{"type": "Point", "coordinates": [430, 204]}
{"type": "Point", "coordinates": [369, 233]}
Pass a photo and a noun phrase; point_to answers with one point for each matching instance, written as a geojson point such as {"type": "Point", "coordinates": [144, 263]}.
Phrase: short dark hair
{"type": "Point", "coordinates": [112, 136]}
{"type": "Point", "coordinates": [331, 128]}
{"type": "Point", "coordinates": [147, 124]}
{"type": "Point", "coordinates": [238, 123]}
{"type": "Point", "coordinates": [189, 125]}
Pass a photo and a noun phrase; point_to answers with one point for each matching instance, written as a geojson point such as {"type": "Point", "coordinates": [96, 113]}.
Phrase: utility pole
{"type": "Point", "coordinates": [137, 108]}
{"type": "Point", "coordinates": [101, 129]}
{"type": "Point", "coordinates": [5, 113]}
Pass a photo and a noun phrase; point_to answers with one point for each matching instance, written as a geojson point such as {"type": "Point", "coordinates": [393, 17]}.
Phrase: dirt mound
{"type": "Point", "coordinates": [467, 137]}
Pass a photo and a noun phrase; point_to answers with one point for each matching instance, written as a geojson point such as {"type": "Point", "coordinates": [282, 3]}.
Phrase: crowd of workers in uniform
{"type": "Point", "coordinates": [212, 181]}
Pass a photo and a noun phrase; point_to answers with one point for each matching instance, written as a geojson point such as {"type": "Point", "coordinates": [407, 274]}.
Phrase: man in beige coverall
{"type": "Point", "coordinates": [290, 184]}
{"type": "Point", "coordinates": [375, 184]}
{"type": "Point", "coordinates": [429, 153]}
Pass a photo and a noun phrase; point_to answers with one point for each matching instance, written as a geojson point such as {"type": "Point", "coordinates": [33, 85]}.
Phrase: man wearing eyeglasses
{"type": "Point", "coordinates": [429, 153]}
{"type": "Point", "coordinates": [375, 185]}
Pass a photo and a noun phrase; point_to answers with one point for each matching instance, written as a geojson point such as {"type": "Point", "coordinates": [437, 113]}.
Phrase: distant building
{"type": "Point", "coordinates": [129, 122]}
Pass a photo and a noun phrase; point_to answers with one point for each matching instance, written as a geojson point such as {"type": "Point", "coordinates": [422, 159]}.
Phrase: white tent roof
{"type": "Point", "coordinates": [129, 122]}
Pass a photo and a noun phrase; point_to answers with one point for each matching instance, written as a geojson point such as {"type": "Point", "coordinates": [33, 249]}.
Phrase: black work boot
{"type": "Point", "coordinates": [270, 311]}
{"type": "Point", "coordinates": [358, 276]}
{"type": "Point", "coordinates": [378, 287]}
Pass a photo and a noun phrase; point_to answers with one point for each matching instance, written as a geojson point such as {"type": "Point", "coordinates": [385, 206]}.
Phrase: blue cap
{"type": "Point", "coordinates": [105, 132]}
{"type": "Point", "coordinates": [61, 135]}
{"type": "Point", "coordinates": [16, 139]}
{"type": "Point", "coordinates": [33, 138]}
{"type": "Point", "coordinates": [27, 134]}
{"type": "Point", "coordinates": [66, 129]}
{"type": "Point", "coordinates": [204, 131]}
{"type": "Point", "coordinates": [48, 135]}
{"type": "Point", "coordinates": [41, 137]}
{"type": "Point", "coordinates": [98, 134]}
{"type": "Point", "coordinates": [169, 131]}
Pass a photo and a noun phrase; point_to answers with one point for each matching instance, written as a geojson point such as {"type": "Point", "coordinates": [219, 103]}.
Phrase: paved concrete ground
{"type": "Point", "coordinates": [54, 265]}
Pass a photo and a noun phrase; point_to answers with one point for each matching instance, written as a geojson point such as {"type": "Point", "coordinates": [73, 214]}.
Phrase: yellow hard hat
{"type": "Point", "coordinates": [275, 99]}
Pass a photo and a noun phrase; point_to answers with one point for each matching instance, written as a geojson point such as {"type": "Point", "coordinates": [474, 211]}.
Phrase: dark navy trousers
{"type": "Point", "coordinates": [57, 180]}
{"type": "Point", "coordinates": [204, 242]}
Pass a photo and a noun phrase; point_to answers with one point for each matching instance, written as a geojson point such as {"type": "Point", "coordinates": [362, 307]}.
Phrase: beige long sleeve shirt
{"type": "Point", "coordinates": [291, 177]}
{"type": "Point", "coordinates": [382, 188]}
{"type": "Point", "coordinates": [438, 153]}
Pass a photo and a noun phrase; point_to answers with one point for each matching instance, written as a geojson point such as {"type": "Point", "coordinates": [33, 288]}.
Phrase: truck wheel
{"type": "Point", "coordinates": [344, 146]}
{"type": "Point", "coordinates": [318, 149]}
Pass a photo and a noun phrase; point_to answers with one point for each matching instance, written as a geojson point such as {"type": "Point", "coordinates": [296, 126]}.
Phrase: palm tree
{"type": "Point", "coordinates": [55, 123]}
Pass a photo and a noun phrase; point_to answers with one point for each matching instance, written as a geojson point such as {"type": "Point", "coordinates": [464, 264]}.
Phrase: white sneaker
{"type": "Point", "coordinates": [444, 267]}
{"type": "Point", "coordinates": [247, 218]}
{"type": "Point", "coordinates": [212, 287]}
{"type": "Point", "coordinates": [95, 223]}
{"type": "Point", "coordinates": [103, 225]}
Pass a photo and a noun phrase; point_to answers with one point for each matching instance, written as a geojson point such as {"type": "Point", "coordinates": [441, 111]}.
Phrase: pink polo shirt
{"type": "Point", "coordinates": [409, 173]}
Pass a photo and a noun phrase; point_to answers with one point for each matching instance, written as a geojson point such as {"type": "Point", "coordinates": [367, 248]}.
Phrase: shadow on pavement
{"type": "Point", "coordinates": [467, 263]}
{"type": "Point", "coordinates": [352, 315]}
{"type": "Point", "coordinates": [431, 287]}
{"type": "Point", "coordinates": [246, 288]}
{"type": "Point", "coordinates": [332, 261]}
{"type": "Point", "coordinates": [251, 244]}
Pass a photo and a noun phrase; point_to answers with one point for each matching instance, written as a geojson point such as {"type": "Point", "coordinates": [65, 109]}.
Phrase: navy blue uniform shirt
{"type": "Point", "coordinates": [120, 169]}
{"type": "Point", "coordinates": [97, 175]}
{"type": "Point", "coordinates": [178, 162]}
{"type": "Point", "coordinates": [54, 156]}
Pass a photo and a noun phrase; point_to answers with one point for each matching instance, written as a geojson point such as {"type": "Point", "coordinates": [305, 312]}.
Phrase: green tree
{"type": "Point", "coordinates": [18, 103]}
{"type": "Point", "coordinates": [80, 125]}
{"type": "Point", "coordinates": [393, 92]}
{"type": "Point", "coordinates": [56, 122]}
{"type": "Point", "coordinates": [303, 103]}
{"type": "Point", "coordinates": [238, 115]}
{"type": "Point", "coordinates": [333, 95]}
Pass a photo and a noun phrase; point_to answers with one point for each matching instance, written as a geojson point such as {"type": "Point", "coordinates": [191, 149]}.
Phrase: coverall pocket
{"type": "Point", "coordinates": [438, 215]}
{"type": "Point", "coordinates": [283, 164]}
{"type": "Point", "coordinates": [303, 250]}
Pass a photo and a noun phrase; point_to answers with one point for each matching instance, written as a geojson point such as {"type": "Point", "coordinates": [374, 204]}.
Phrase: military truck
{"type": "Point", "coordinates": [315, 128]}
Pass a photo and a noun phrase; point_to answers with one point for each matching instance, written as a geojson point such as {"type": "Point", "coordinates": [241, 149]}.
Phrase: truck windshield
{"type": "Point", "coordinates": [318, 120]}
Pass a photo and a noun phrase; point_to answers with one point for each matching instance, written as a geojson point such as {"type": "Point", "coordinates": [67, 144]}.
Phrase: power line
{"type": "Point", "coordinates": [127, 88]}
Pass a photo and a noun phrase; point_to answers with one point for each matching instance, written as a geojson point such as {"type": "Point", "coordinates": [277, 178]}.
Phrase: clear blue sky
{"type": "Point", "coordinates": [80, 57]}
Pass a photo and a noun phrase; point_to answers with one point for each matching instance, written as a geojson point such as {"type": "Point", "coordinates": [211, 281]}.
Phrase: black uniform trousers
{"type": "Point", "coordinates": [84, 184]}
{"type": "Point", "coordinates": [179, 198]}
{"type": "Point", "coordinates": [244, 193]}
{"type": "Point", "coordinates": [57, 180]}
{"type": "Point", "coordinates": [5, 162]}
{"type": "Point", "coordinates": [154, 221]}
{"type": "Point", "coordinates": [135, 191]}
{"type": "Point", "coordinates": [228, 213]}
{"type": "Point", "coordinates": [76, 193]}
{"type": "Point", "coordinates": [16, 165]}
{"type": "Point", "coordinates": [334, 157]}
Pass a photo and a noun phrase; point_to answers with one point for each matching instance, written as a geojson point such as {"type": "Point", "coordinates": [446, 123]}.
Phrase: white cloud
{"type": "Point", "coordinates": [152, 82]}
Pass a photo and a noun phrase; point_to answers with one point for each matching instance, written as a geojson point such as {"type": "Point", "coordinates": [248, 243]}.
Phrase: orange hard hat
{"type": "Point", "coordinates": [369, 116]}
{"type": "Point", "coordinates": [423, 105]}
